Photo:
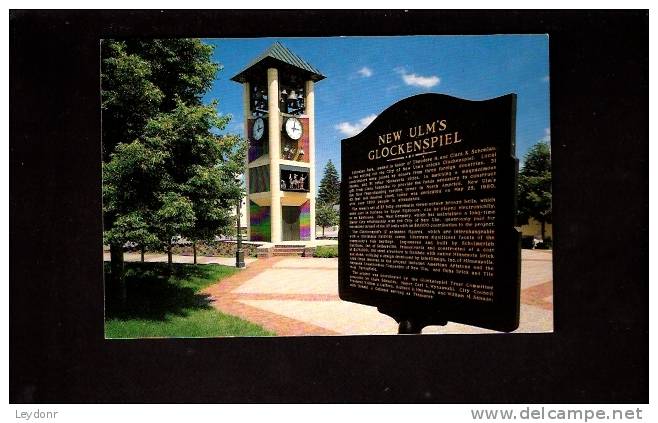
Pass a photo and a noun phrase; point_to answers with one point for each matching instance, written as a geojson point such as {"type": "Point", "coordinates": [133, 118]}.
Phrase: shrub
{"type": "Point", "coordinates": [546, 244]}
{"type": "Point", "coordinates": [326, 251]}
{"type": "Point", "coordinates": [528, 242]}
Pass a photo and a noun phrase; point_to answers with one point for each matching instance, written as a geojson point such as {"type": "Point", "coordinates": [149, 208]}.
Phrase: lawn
{"type": "Point", "coordinates": [163, 303]}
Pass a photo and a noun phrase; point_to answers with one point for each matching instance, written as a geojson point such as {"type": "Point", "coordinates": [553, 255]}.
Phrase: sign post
{"type": "Point", "coordinates": [428, 204]}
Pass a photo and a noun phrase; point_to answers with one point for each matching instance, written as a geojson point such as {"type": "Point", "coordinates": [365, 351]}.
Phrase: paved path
{"type": "Point", "coordinates": [299, 296]}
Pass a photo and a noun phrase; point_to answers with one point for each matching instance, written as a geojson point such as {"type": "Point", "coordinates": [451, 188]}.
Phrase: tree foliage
{"type": "Point", "coordinates": [140, 78]}
{"type": "Point", "coordinates": [326, 216]}
{"type": "Point", "coordinates": [166, 171]}
{"type": "Point", "coordinates": [535, 194]}
{"type": "Point", "coordinates": [329, 192]}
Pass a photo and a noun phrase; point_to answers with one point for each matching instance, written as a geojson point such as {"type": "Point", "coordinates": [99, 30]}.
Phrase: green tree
{"type": "Point", "coordinates": [131, 179]}
{"type": "Point", "coordinates": [166, 172]}
{"type": "Point", "coordinates": [140, 78]}
{"type": "Point", "coordinates": [329, 192]}
{"type": "Point", "coordinates": [201, 168]}
{"type": "Point", "coordinates": [535, 181]}
{"type": "Point", "coordinates": [217, 192]}
{"type": "Point", "coordinates": [326, 215]}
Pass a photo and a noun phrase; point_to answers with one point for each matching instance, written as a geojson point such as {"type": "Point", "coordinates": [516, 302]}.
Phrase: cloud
{"type": "Point", "coordinates": [416, 80]}
{"type": "Point", "coordinates": [350, 129]}
{"type": "Point", "coordinates": [365, 72]}
{"type": "Point", "coordinates": [546, 78]}
{"type": "Point", "coordinates": [547, 135]}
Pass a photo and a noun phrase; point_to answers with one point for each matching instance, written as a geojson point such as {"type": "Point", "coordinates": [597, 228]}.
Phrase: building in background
{"type": "Point", "coordinates": [278, 91]}
{"type": "Point", "coordinates": [533, 228]}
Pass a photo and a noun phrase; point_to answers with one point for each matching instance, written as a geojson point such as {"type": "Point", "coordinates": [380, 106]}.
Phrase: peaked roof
{"type": "Point", "coordinates": [278, 54]}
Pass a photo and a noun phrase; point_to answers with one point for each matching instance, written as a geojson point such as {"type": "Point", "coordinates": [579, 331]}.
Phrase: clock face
{"type": "Point", "coordinates": [258, 129]}
{"type": "Point", "coordinates": [293, 128]}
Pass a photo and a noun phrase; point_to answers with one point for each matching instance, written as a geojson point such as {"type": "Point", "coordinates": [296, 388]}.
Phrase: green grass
{"type": "Point", "coordinates": [163, 303]}
{"type": "Point", "coordinates": [326, 251]}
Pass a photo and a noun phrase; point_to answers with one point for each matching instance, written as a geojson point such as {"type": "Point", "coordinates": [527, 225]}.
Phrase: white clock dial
{"type": "Point", "coordinates": [294, 128]}
{"type": "Point", "coordinates": [258, 129]}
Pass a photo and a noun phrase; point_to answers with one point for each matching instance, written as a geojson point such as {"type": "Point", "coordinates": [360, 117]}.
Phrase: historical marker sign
{"type": "Point", "coordinates": [427, 214]}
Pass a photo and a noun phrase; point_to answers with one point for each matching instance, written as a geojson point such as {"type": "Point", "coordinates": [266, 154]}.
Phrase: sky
{"type": "Point", "coordinates": [366, 75]}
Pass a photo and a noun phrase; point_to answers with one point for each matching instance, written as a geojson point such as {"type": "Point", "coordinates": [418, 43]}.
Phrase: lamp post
{"type": "Point", "coordinates": [239, 254]}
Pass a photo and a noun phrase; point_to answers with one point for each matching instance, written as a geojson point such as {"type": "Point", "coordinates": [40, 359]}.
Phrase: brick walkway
{"type": "Point", "coordinates": [228, 298]}
{"type": "Point", "coordinates": [299, 296]}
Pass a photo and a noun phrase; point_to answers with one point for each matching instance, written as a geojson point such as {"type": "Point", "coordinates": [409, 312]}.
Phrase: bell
{"type": "Point", "coordinates": [292, 95]}
{"type": "Point", "coordinates": [284, 92]}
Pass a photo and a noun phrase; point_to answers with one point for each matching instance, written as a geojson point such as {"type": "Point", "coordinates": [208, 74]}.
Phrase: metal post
{"type": "Point", "coordinates": [409, 326]}
{"type": "Point", "coordinates": [239, 254]}
{"type": "Point", "coordinates": [413, 321]}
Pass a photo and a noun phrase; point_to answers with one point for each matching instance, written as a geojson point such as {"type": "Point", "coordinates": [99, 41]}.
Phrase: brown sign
{"type": "Point", "coordinates": [428, 210]}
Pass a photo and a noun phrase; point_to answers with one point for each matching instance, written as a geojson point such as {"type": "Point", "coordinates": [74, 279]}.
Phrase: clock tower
{"type": "Point", "coordinates": [279, 117]}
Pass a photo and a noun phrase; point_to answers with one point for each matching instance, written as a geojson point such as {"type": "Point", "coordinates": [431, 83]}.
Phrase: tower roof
{"type": "Point", "coordinates": [278, 56]}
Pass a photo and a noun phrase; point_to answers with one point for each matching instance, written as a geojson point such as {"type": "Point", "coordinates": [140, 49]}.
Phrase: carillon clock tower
{"type": "Point", "coordinates": [280, 127]}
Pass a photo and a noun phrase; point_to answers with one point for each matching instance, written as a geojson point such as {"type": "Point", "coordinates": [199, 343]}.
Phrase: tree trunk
{"type": "Point", "coordinates": [169, 258]}
{"type": "Point", "coordinates": [323, 232]}
{"type": "Point", "coordinates": [543, 230]}
{"type": "Point", "coordinates": [194, 251]}
{"type": "Point", "coordinates": [116, 271]}
{"type": "Point", "coordinates": [116, 262]}
{"type": "Point", "coordinates": [142, 251]}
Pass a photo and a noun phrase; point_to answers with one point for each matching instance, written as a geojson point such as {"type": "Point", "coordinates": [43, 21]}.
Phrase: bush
{"type": "Point", "coordinates": [547, 244]}
{"type": "Point", "coordinates": [326, 251]}
{"type": "Point", "coordinates": [528, 242]}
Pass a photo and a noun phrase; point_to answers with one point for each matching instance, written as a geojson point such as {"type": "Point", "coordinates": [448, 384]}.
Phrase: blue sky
{"type": "Point", "coordinates": [365, 75]}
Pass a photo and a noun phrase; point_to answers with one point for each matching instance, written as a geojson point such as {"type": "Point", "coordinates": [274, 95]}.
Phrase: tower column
{"type": "Point", "coordinates": [246, 107]}
{"type": "Point", "coordinates": [310, 111]}
{"type": "Point", "coordinates": [274, 130]}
